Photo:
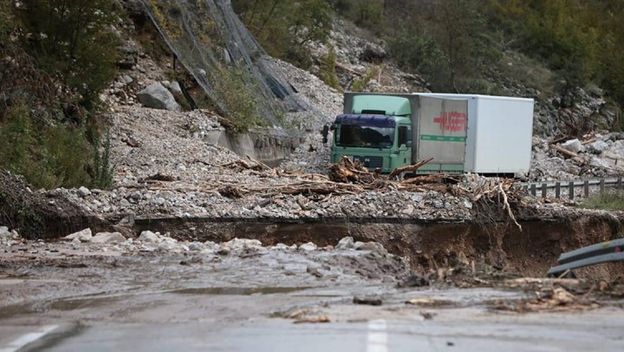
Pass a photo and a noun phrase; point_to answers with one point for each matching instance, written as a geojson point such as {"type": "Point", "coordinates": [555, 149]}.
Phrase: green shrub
{"type": "Point", "coordinates": [613, 200]}
{"type": "Point", "coordinates": [50, 156]}
{"type": "Point", "coordinates": [238, 97]}
{"type": "Point", "coordinates": [73, 39]}
{"type": "Point", "coordinates": [359, 85]}
{"type": "Point", "coordinates": [283, 28]}
{"type": "Point", "coordinates": [102, 169]}
{"type": "Point", "coordinates": [328, 69]}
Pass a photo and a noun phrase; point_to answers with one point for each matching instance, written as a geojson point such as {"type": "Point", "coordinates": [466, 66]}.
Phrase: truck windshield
{"type": "Point", "coordinates": [365, 136]}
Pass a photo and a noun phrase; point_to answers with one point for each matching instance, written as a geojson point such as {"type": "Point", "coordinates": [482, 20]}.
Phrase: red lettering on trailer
{"type": "Point", "coordinates": [453, 121]}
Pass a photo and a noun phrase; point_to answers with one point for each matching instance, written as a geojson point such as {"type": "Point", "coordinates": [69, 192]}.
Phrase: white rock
{"type": "Point", "coordinates": [307, 247]}
{"type": "Point", "coordinates": [149, 237]}
{"type": "Point", "coordinates": [169, 245]}
{"type": "Point", "coordinates": [281, 247]}
{"type": "Point", "coordinates": [345, 243]}
{"type": "Point", "coordinates": [174, 87]}
{"type": "Point", "coordinates": [598, 147]}
{"type": "Point", "coordinates": [196, 246]}
{"type": "Point", "coordinates": [239, 244]}
{"type": "Point", "coordinates": [5, 235]}
{"type": "Point", "coordinates": [82, 236]}
{"type": "Point", "coordinates": [371, 246]}
{"type": "Point", "coordinates": [108, 237]}
{"type": "Point", "coordinates": [84, 191]}
{"type": "Point", "coordinates": [573, 145]}
{"type": "Point", "coordinates": [158, 97]}
{"type": "Point", "coordinates": [597, 162]}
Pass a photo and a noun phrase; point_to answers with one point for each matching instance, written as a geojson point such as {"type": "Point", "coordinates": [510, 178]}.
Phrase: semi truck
{"type": "Point", "coordinates": [490, 135]}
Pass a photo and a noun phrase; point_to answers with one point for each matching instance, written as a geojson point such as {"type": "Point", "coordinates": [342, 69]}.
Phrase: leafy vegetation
{"type": "Point", "coordinates": [73, 39]}
{"type": "Point", "coordinates": [328, 69]}
{"type": "Point", "coordinates": [359, 85]}
{"type": "Point", "coordinates": [613, 200]}
{"type": "Point", "coordinates": [59, 55]}
{"type": "Point", "coordinates": [239, 96]}
{"type": "Point", "coordinates": [283, 28]}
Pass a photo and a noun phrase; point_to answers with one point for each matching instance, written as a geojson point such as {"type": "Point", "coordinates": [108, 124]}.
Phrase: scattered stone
{"type": "Point", "coordinates": [149, 237]}
{"type": "Point", "coordinates": [414, 280]}
{"type": "Point", "coordinates": [314, 271]}
{"type": "Point", "coordinates": [371, 246]}
{"type": "Point", "coordinates": [5, 235]}
{"type": "Point", "coordinates": [597, 147]}
{"type": "Point", "coordinates": [156, 96]}
{"type": "Point", "coordinates": [84, 191]}
{"type": "Point", "coordinates": [108, 237]}
{"type": "Point", "coordinates": [346, 243]}
{"type": "Point", "coordinates": [315, 319]}
{"type": "Point", "coordinates": [371, 301]}
{"type": "Point", "coordinates": [241, 244]}
{"type": "Point", "coordinates": [81, 236]}
{"type": "Point", "coordinates": [573, 145]}
{"type": "Point", "coordinates": [169, 244]}
{"type": "Point", "coordinates": [195, 247]}
{"type": "Point", "coordinates": [308, 247]}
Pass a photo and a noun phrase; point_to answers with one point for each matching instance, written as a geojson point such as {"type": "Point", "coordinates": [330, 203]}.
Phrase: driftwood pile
{"type": "Point", "coordinates": [351, 177]}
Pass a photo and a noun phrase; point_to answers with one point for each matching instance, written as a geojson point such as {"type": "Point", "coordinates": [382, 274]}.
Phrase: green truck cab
{"type": "Point", "coordinates": [376, 130]}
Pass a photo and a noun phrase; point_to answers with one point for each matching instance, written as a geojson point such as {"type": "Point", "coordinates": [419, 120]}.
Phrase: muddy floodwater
{"type": "Point", "coordinates": [60, 296]}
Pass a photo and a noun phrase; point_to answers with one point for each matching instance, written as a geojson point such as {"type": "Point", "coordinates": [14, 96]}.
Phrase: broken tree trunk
{"type": "Point", "coordinates": [409, 168]}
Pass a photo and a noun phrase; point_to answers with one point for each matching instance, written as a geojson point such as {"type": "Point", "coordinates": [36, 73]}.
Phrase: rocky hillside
{"type": "Point", "coordinates": [155, 115]}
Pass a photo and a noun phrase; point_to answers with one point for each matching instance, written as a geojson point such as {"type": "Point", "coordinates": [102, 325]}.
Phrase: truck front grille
{"type": "Point", "coordinates": [370, 162]}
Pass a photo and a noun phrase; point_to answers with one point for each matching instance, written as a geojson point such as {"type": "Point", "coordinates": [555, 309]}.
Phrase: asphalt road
{"type": "Point", "coordinates": [166, 322]}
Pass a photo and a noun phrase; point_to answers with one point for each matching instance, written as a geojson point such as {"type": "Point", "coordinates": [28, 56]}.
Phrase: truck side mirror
{"type": "Point", "coordinates": [324, 133]}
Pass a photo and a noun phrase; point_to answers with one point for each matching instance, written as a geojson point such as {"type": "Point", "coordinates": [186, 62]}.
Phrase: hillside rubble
{"type": "Point", "coordinates": [597, 155]}
{"type": "Point", "coordinates": [358, 55]}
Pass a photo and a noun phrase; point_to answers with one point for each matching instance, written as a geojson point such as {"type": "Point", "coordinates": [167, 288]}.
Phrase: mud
{"type": "Point", "coordinates": [37, 216]}
{"type": "Point", "coordinates": [427, 246]}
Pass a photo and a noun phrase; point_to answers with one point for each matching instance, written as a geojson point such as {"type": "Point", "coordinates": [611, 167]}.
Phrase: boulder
{"type": "Point", "coordinates": [84, 191]}
{"type": "Point", "coordinates": [108, 237]}
{"type": "Point", "coordinates": [158, 97]}
{"type": "Point", "coordinates": [573, 145]}
{"type": "Point", "coordinates": [5, 234]}
{"type": "Point", "coordinates": [307, 247]}
{"type": "Point", "coordinates": [346, 243]}
{"type": "Point", "coordinates": [371, 246]}
{"type": "Point", "coordinates": [149, 237]}
{"type": "Point", "coordinates": [599, 163]}
{"type": "Point", "coordinates": [82, 236]}
{"type": "Point", "coordinates": [240, 244]}
{"type": "Point", "coordinates": [174, 87]}
{"type": "Point", "coordinates": [597, 147]}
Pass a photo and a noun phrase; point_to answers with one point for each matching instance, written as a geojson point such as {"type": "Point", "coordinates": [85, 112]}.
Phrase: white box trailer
{"type": "Point", "coordinates": [497, 133]}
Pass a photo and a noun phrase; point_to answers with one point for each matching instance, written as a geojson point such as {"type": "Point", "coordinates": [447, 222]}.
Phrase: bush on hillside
{"type": "Point", "coordinates": [74, 40]}
{"type": "Point", "coordinates": [283, 28]}
{"type": "Point", "coordinates": [50, 156]}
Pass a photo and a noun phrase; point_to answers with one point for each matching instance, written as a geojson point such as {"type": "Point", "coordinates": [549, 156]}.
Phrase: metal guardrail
{"type": "Point", "coordinates": [605, 252]}
{"type": "Point", "coordinates": [562, 187]}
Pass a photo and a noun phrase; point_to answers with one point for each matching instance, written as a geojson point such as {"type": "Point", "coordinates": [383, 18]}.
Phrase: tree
{"type": "Point", "coordinates": [73, 38]}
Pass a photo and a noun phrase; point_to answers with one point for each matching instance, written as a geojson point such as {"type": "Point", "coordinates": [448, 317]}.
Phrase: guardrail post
{"type": "Point", "coordinates": [571, 190]}
{"type": "Point", "coordinates": [544, 190]}
{"type": "Point", "coordinates": [558, 190]}
{"type": "Point", "coordinates": [602, 186]}
{"type": "Point", "coordinates": [533, 189]}
{"type": "Point", "coordinates": [619, 183]}
{"type": "Point", "coordinates": [586, 188]}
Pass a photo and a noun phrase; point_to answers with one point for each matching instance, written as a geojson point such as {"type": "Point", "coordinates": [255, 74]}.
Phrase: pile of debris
{"type": "Point", "coordinates": [480, 190]}
{"type": "Point", "coordinates": [565, 158]}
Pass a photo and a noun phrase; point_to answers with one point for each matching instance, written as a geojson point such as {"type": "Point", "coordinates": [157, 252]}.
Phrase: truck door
{"type": "Point", "coordinates": [441, 135]}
